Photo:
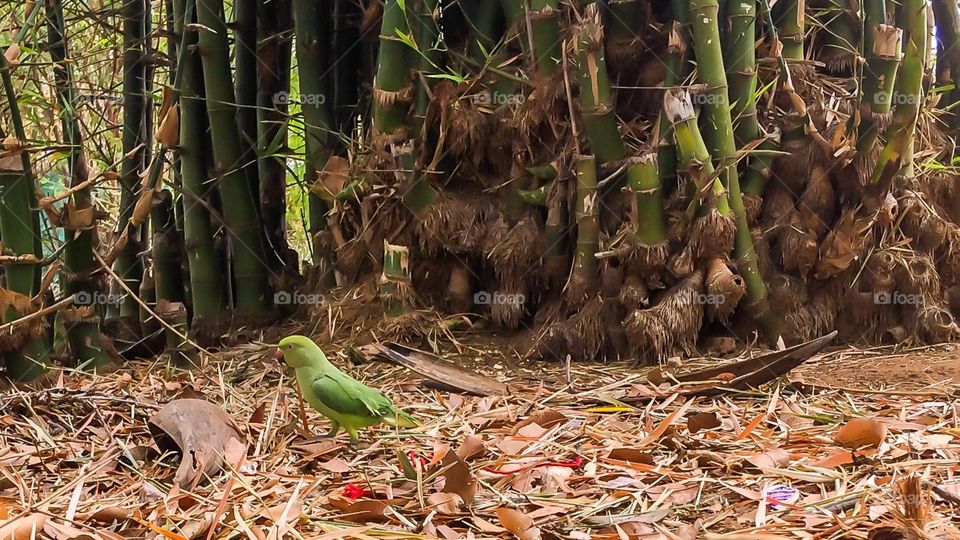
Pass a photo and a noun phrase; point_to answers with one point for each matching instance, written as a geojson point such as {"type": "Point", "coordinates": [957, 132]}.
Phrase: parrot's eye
{"type": "Point", "coordinates": [289, 347]}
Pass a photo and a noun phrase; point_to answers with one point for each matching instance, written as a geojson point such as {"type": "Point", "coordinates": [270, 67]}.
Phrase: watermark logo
{"type": "Point", "coordinates": [496, 98]}
{"type": "Point", "coordinates": [895, 98]}
{"type": "Point", "coordinates": [285, 98]}
{"type": "Point", "coordinates": [483, 298]}
{"type": "Point", "coordinates": [296, 298]}
{"type": "Point", "coordinates": [87, 298]}
{"type": "Point", "coordinates": [702, 299]}
{"type": "Point", "coordinates": [896, 299]}
{"type": "Point", "coordinates": [708, 99]}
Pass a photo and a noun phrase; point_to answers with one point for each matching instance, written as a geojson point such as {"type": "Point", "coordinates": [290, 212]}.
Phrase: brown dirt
{"type": "Point", "coordinates": [885, 369]}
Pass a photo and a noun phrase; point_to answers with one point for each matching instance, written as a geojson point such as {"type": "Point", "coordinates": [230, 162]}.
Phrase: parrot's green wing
{"type": "Point", "coordinates": [347, 396]}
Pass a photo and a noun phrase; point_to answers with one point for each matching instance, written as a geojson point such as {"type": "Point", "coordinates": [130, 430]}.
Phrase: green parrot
{"type": "Point", "coordinates": [347, 402]}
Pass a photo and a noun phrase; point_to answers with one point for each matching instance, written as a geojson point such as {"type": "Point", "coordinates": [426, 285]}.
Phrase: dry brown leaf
{"type": "Point", "coordinates": [335, 465]}
{"type": "Point", "coordinates": [545, 419]}
{"type": "Point", "coordinates": [333, 178]}
{"type": "Point", "coordinates": [367, 510]}
{"type": "Point", "coordinates": [702, 421]}
{"type": "Point", "coordinates": [203, 434]}
{"type": "Point", "coordinates": [23, 527]}
{"type": "Point", "coordinates": [471, 447]}
{"type": "Point", "coordinates": [861, 432]}
{"type": "Point", "coordinates": [168, 134]}
{"type": "Point", "coordinates": [458, 478]}
{"type": "Point", "coordinates": [447, 504]}
{"type": "Point", "coordinates": [632, 455]}
{"type": "Point", "coordinates": [771, 459]}
{"type": "Point", "coordinates": [520, 524]}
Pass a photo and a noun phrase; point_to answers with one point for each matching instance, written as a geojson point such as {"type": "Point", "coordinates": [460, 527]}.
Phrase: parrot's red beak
{"type": "Point", "coordinates": [278, 355]}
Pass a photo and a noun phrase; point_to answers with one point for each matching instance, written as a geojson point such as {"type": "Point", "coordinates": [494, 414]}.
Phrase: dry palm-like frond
{"type": "Point", "coordinates": [581, 335]}
{"type": "Point", "coordinates": [14, 306]}
{"type": "Point", "coordinates": [634, 293]}
{"type": "Point", "coordinates": [921, 222]}
{"type": "Point", "coordinates": [843, 244]}
{"type": "Point", "coordinates": [509, 303]}
{"type": "Point", "coordinates": [818, 202]}
{"type": "Point", "coordinates": [711, 235]}
{"type": "Point", "coordinates": [514, 250]}
{"type": "Point", "coordinates": [911, 512]}
{"type": "Point", "coordinates": [672, 323]}
{"type": "Point", "coordinates": [798, 247]}
{"type": "Point", "coordinates": [454, 222]}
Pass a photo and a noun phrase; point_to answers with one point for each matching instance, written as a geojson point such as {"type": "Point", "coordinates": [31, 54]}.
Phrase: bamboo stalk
{"type": "Point", "coordinates": [644, 180]}
{"type": "Point", "coordinates": [395, 280]}
{"type": "Point", "coordinates": [273, 52]}
{"type": "Point", "coordinates": [83, 333]}
{"type": "Point", "coordinates": [596, 96]}
{"type": "Point", "coordinates": [123, 315]}
{"type": "Point", "coordinates": [245, 85]}
{"type": "Point", "coordinates": [584, 276]}
{"type": "Point", "coordinates": [710, 72]}
{"type": "Point", "coordinates": [310, 23]}
{"type": "Point", "coordinates": [789, 21]}
{"type": "Point", "coordinates": [393, 90]}
{"type": "Point", "coordinates": [207, 285]}
{"type": "Point", "coordinates": [897, 153]}
{"type": "Point", "coordinates": [239, 208]}
{"type": "Point", "coordinates": [741, 66]}
{"type": "Point", "coordinates": [544, 22]}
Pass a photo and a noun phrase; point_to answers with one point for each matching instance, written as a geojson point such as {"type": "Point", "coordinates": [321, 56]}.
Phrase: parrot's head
{"type": "Point", "coordinates": [297, 351]}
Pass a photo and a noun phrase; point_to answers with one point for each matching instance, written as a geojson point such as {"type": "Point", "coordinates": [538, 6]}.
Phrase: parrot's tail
{"type": "Point", "coordinates": [400, 419]}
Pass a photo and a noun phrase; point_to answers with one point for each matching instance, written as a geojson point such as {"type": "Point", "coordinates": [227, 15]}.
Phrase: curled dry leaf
{"type": "Point", "coordinates": [520, 524]}
{"type": "Point", "coordinates": [771, 459]}
{"type": "Point", "coordinates": [447, 504]}
{"type": "Point", "coordinates": [471, 447]}
{"type": "Point", "coordinates": [23, 527]}
{"type": "Point", "coordinates": [204, 435]}
{"type": "Point", "coordinates": [860, 432]}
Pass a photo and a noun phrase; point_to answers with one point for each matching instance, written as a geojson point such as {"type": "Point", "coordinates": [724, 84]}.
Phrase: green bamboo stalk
{"type": "Point", "coordinates": [310, 18]}
{"type": "Point", "coordinates": [128, 266]}
{"type": "Point", "coordinates": [245, 70]}
{"type": "Point", "coordinates": [692, 153]}
{"type": "Point", "coordinates": [596, 97]}
{"type": "Point", "coordinates": [789, 21]}
{"type": "Point", "coordinates": [741, 65]}
{"type": "Point", "coordinates": [947, 19]}
{"type": "Point", "coordinates": [273, 55]}
{"type": "Point", "coordinates": [841, 40]}
{"type": "Point", "coordinates": [896, 154]}
{"type": "Point", "coordinates": [393, 90]}
{"type": "Point", "coordinates": [168, 281]}
{"type": "Point", "coordinates": [717, 127]}
{"type": "Point", "coordinates": [274, 58]}
{"type": "Point", "coordinates": [207, 286]}
{"type": "Point", "coordinates": [676, 65]}
{"type": "Point", "coordinates": [585, 271]}
{"type": "Point", "coordinates": [880, 76]}
{"type": "Point", "coordinates": [710, 72]}
{"type": "Point", "coordinates": [544, 19]}
{"type": "Point", "coordinates": [417, 192]}
{"type": "Point", "coordinates": [83, 328]}
{"type": "Point", "coordinates": [643, 179]}
{"type": "Point", "coordinates": [760, 167]}
{"type": "Point", "coordinates": [239, 207]}
{"type": "Point", "coordinates": [395, 280]}
{"type": "Point", "coordinates": [19, 226]}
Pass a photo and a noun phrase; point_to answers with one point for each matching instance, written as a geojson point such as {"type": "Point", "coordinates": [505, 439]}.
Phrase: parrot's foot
{"type": "Point", "coordinates": [334, 428]}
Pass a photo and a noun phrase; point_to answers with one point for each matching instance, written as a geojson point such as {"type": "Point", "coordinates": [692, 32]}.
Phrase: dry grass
{"type": "Point", "coordinates": [77, 459]}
